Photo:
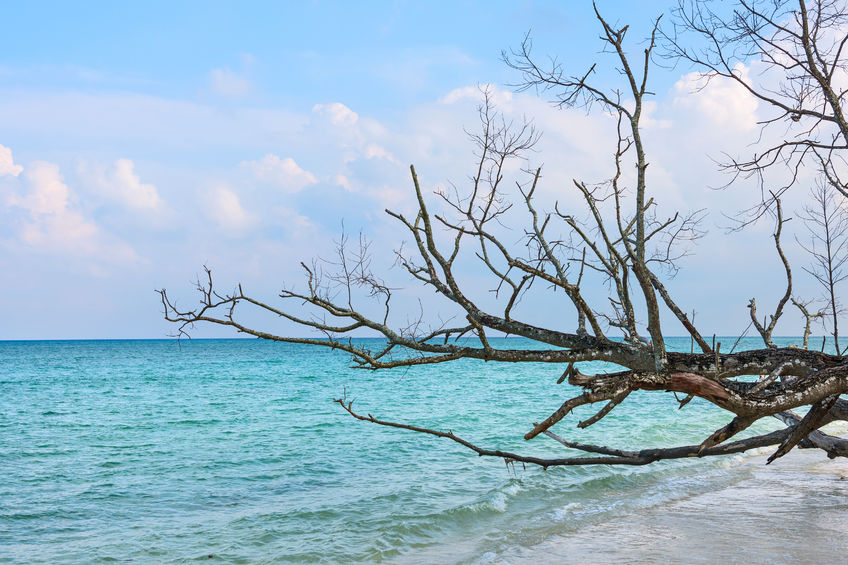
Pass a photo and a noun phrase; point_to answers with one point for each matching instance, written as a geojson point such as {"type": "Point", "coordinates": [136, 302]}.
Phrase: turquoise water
{"type": "Point", "coordinates": [158, 451]}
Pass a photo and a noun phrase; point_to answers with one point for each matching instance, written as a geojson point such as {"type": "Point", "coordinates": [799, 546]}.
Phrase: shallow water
{"type": "Point", "coordinates": [154, 451]}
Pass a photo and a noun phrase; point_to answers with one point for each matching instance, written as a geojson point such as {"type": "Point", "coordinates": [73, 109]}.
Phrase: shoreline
{"type": "Point", "coordinates": [794, 512]}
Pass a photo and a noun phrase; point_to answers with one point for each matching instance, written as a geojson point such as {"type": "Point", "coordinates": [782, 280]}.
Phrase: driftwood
{"type": "Point", "coordinates": [626, 244]}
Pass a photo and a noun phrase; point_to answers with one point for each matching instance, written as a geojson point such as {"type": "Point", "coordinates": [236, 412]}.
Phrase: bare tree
{"type": "Point", "coordinates": [808, 320]}
{"type": "Point", "coordinates": [798, 50]}
{"type": "Point", "coordinates": [766, 330]}
{"type": "Point", "coordinates": [620, 238]}
{"type": "Point", "coordinates": [827, 223]}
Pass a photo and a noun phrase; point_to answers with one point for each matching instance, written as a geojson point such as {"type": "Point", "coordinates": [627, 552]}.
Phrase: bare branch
{"type": "Point", "coordinates": [599, 264]}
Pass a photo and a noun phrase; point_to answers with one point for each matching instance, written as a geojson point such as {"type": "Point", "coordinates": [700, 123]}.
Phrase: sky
{"type": "Point", "coordinates": [141, 141]}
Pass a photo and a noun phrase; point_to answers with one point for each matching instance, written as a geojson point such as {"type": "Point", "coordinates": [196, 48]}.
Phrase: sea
{"type": "Point", "coordinates": [233, 451]}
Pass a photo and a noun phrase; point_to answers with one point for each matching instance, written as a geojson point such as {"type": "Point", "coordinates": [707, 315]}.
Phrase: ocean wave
{"type": "Point", "coordinates": [566, 512]}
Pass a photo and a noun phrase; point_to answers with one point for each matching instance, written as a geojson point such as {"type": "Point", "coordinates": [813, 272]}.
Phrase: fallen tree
{"type": "Point", "coordinates": [626, 243]}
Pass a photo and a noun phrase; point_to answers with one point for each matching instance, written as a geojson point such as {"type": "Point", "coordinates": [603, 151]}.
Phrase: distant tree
{"type": "Point", "coordinates": [626, 242]}
{"type": "Point", "coordinates": [827, 223]}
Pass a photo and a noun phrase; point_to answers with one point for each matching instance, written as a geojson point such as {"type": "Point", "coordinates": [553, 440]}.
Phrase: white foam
{"type": "Point", "coordinates": [513, 489]}
{"type": "Point", "coordinates": [566, 512]}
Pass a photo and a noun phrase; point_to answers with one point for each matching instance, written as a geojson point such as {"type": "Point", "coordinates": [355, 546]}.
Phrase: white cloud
{"type": "Point", "coordinates": [228, 83]}
{"type": "Point", "coordinates": [123, 184]}
{"type": "Point", "coordinates": [225, 208]}
{"type": "Point", "coordinates": [132, 190]}
{"type": "Point", "coordinates": [723, 101]}
{"type": "Point", "coordinates": [52, 223]}
{"type": "Point", "coordinates": [48, 193]}
{"type": "Point", "coordinates": [343, 182]}
{"type": "Point", "coordinates": [7, 164]}
{"type": "Point", "coordinates": [193, 140]}
{"type": "Point", "coordinates": [498, 96]}
{"type": "Point", "coordinates": [462, 93]}
{"type": "Point", "coordinates": [374, 151]}
{"type": "Point", "coordinates": [338, 113]}
{"type": "Point", "coordinates": [297, 224]}
{"type": "Point", "coordinates": [285, 173]}
{"type": "Point", "coordinates": [649, 111]}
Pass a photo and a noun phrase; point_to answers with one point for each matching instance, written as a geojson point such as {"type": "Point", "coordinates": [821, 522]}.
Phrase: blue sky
{"type": "Point", "coordinates": [141, 141]}
{"type": "Point", "coordinates": [381, 56]}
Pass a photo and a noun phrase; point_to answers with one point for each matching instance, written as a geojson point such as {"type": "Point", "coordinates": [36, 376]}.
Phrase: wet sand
{"type": "Point", "coordinates": [792, 511]}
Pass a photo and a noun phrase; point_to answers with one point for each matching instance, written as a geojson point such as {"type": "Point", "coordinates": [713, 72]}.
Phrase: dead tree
{"type": "Point", "coordinates": [827, 223]}
{"type": "Point", "coordinates": [620, 237]}
{"type": "Point", "coordinates": [797, 49]}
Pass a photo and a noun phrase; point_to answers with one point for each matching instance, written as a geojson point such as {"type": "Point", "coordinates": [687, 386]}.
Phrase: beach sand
{"type": "Point", "coordinates": [792, 511]}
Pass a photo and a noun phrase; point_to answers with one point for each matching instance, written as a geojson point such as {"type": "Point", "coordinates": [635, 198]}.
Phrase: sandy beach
{"type": "Point", "coordinates": [792, 511]}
